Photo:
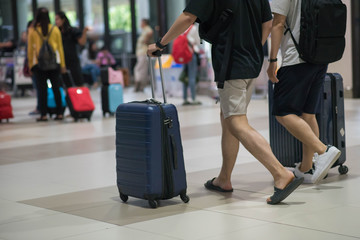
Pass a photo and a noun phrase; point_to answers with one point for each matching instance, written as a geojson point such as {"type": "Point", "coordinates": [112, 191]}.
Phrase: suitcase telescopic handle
{"type": "Point", "coordinates": [152, 75]}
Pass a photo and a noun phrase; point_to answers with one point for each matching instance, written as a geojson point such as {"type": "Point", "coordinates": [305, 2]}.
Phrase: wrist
{"type": "Point", "coordinates": [159, 45]}
{"type": "Point", "coordinates": [272, 60]}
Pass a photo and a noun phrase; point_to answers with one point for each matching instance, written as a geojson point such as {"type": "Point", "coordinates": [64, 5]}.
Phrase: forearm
{"type": "Point", "coordinates": [276, 35]}
{"type": "Point", "coordinates": [83, 38]}
{"type": "Point", "coordinates": [5, 44]}
{"type": "Point", "coordinates": [180, 25]}
{"type": "Point", "coordinates": [266, 29]}
{"type": "Point", "coordinates": [61, 51]}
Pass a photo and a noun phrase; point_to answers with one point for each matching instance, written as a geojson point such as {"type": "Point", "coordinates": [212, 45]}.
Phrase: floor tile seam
{"type": "Point", "coordinates": [234, 231]}
{"type": "Point", "coordinates": [72, 210]}
{"type": "Point", "coordinates": [154, 233]}
{"type": "Point", "coordinates": [84, 233]}
{"type": "Point", "coordinates": [279, 223]}
{"type": "Point", "coordinates": [237, 215]}
{"type": "Point", "coordinates": [56, 212]}
{"type": "Point", "coordinates": [24, 219]}
{"type": "Point", "coordinates": [317, 230]}
{"type": "Point", "coordinates": [56, 158]}
{"type": "Point", "coordinates": [57, 141]}
{"type": "Point", "coordinates": [264, 220]}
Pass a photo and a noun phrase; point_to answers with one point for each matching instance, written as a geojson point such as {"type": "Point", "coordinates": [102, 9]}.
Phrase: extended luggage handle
{"type": "Point", "coordinates": [69, 77]}
{"type": "Point", "coordinates": [152, 75]}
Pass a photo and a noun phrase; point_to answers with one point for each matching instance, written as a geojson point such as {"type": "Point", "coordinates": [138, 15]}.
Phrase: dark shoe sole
{"type": "Point", "coordinates": [281, 194]}
{"type": "Point", "coordinates": [209, 185]}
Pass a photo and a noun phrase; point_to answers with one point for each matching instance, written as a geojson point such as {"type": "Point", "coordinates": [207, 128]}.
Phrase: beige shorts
{"type": "Point", "coordinates": [235, 96]}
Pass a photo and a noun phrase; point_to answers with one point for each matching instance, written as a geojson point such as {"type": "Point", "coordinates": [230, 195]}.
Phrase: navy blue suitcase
{"type": "Point", "coordinates": [331, 121]}
{"type": "Point", "coordinates": [149, 154]}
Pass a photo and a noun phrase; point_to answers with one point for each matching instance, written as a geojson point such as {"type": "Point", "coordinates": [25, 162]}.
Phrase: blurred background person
{"type": "Point", "coordinates": [43, 29]}
{"type": "Point", "coordinates": [191, 68]}
{"type": "Point", "coordinates": [88, 63]}
{"type": "Point", "coordinates": [72, 37]}
{"type": "Point", "coordinates": [104, 58]}
{"type": "Point", "coordinates": [141, 68]}
{"type": "Point", "coordinates": [26, 71]}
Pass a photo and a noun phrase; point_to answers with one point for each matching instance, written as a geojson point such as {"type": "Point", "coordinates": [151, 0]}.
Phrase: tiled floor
{"type": "Point", "coordinates": [57, 181]}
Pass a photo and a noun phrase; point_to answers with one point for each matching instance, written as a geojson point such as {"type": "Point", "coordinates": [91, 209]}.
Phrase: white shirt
{"type": "Point", "coordinates": [292, 10]}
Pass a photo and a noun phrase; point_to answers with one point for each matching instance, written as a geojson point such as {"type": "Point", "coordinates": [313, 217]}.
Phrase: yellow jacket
{"type": "Point", "coordinates": [35, 43]}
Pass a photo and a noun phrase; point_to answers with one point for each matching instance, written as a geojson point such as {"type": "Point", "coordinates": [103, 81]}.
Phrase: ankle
{"type": "Point", "coordinates": [285, 178]}
{"type": "Point", "coordinates": [221, 181]}
{"type": "Point", "coordinates": [323, 149]}
{"type": "Point", "coordinates": [304, 169]}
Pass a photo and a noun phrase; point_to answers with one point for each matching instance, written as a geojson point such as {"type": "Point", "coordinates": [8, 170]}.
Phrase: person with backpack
{"type": "Point", "coordinates": [46, 60]}
{"type": "Point", "coordinates": [191, 67]}
{"type": "Point", "coordinates": [248, 30]}
{"type": "Point", "coordinates": [298, 83]}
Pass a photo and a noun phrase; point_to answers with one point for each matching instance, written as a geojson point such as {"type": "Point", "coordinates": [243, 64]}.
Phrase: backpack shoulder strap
{"type": "Point", "coordinates": [51, 29]}
{"type": "Point", "coordinates": [287, 29]}
{"type": "Point", "coordinates": [227, 54]}
{"type": "Point", "coordinates": [47, 36]}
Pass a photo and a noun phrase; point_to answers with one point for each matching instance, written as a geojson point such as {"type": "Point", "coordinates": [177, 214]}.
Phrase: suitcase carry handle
{"type": "Point", "coordinates": [152, 75]}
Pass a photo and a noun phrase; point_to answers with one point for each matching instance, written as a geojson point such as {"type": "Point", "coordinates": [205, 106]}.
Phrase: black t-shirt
{"type": "Point", "coordinates": [247, 53]}
{"type": "Point", "coordinates": [70, 44]}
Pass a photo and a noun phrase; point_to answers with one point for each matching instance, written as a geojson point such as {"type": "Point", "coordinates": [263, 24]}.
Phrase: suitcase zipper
{"type": "Point", "coordinates": [168, 183]}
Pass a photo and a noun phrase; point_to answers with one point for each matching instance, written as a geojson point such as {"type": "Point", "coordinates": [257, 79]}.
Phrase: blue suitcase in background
{"type": "Point", "coordinates": [331, 121]}
{"type": "Point", "coordinates": [111, 97]}
{"type": "Point", "coordinates": [51, 104]}
{"type": "Point", "coordinates": [115, 96]}
{"type": "Point", "coordinates": [149, 153]}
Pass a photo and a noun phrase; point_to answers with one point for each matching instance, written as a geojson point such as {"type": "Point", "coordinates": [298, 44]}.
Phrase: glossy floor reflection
{"type": "Point", "coordinates": [57, 181]}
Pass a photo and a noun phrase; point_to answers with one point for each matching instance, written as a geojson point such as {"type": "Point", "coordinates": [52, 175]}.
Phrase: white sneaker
{"type": "Point", "coordinates": [308, 176]}
{"type": "Point", "coordinates": [324, 162]}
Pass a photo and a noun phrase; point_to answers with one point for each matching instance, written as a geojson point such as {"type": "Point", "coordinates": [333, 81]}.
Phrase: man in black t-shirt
{"type": "Point", "coordinates": [251, 25]}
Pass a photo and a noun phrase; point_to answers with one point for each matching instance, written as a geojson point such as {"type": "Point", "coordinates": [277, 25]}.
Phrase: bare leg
{"type": "Point", "coordinates": [306, 131]}
{"type": "Point", "coordinates": [308, 153]}
{"type": "Point", "coordinates": [230, 148]}
{"type": "Point", "coordinates": [257, 145]}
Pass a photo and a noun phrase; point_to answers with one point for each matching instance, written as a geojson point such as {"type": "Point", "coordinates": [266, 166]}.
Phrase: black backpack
{"type": "Point", "coordinates": [322, 31]}
{"type": "Point", "coordinates": [47, 56]}
{"type": "Point", "coordinates": [210, 30]}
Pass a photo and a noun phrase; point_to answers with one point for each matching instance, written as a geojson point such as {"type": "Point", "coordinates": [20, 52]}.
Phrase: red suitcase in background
{"type": "Point", "coordinates": [78, 100]}
{"type": "Point", "coordinates": [5, 106]}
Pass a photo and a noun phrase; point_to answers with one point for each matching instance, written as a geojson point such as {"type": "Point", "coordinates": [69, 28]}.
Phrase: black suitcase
{"type": "Point", "coordinates": [331, 121]}
{"type": "Point", "coordinates": [105, 100]}
{"type": "Point", "coordinates": [104, 76]}
{"type": "Point", "coordinates": [149, 154]}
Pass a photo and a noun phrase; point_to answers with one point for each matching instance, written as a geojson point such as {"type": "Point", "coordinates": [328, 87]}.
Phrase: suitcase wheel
{"type": "Point", "coordinates": [124, 197]}
{"type": "Point", "coordinates": [153, 203]}
{"type": "Point", "coordinates": [343, 169]}
{"type": "Point", "coordinates": [185, 198]}
{"type": "Point", "coordinates": [89, 119]}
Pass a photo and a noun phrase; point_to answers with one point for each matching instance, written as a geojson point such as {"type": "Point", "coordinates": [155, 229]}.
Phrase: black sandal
{"type": "Point", "coordinates": [59, 118]}
{"type": "Point", "coordinates": [42, 119]}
